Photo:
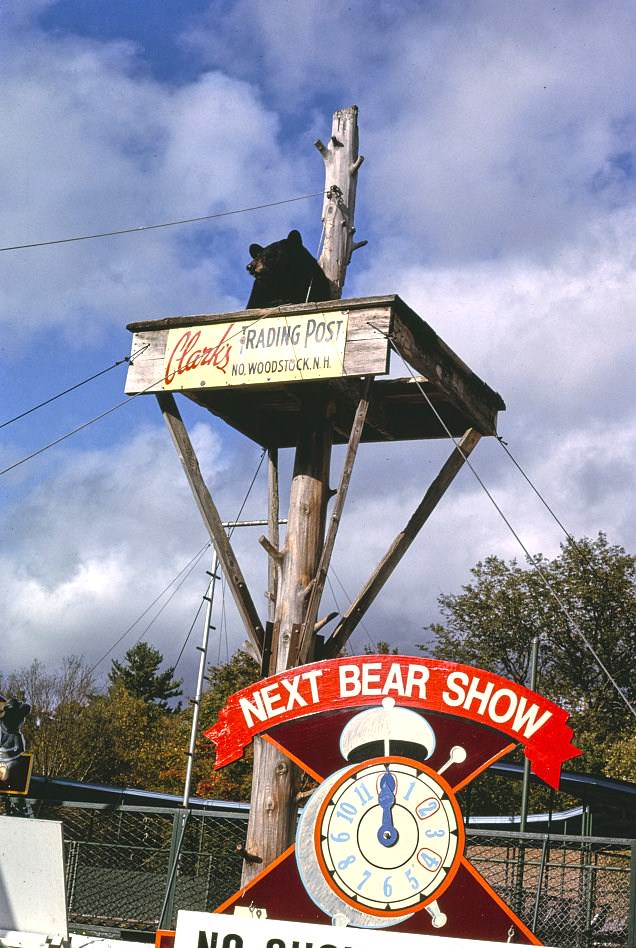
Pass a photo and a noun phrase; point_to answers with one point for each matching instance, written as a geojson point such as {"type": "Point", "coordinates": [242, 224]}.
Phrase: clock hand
{"type": "Point", "coordinates": [387, 834]}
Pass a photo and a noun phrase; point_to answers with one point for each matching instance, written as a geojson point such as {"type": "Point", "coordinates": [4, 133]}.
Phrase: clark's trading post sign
{"type": "Point", "coordinates": [390, 741]}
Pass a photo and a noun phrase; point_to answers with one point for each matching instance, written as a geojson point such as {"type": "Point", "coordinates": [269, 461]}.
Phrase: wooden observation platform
{"type": "Point", "coordinates": [308, 377]}
{"type": "Point", "coordinates": [267, 407]}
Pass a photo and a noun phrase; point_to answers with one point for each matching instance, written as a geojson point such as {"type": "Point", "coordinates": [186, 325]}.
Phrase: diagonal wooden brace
{"type": "Point", "coordinates": [400, 545]}
{"type": "Point", "coordinates": [211, 518]}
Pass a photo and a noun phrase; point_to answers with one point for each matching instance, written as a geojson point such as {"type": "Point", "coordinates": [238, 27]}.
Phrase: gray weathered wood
{"type": "Point", "coordinates": [211, 519]}
{"type": "Point", "coordinates": [273, 805]}
{"type": "Point", "coordinates": [401, 543]}
{"type": "Point", "coordinates": [366, 349]}
{"type": "Point", "coordinates": [342, 162]}
{"type": "Point", "coordinates": [307, 635]}
{"type": "Point", "coordinates": [273, 515]}
{"type": "Point", "coordinates": [422, 348]}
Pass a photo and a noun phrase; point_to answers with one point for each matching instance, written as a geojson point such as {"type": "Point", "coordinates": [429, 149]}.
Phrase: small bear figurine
{"type": "Point", "coordinates": [285, 272]}
{"type": "Point", "coordinates": [12, 714]}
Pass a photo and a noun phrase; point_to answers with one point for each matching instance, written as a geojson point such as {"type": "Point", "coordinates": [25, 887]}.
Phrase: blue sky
{"type": "Point", "coordinates": [497, 197]}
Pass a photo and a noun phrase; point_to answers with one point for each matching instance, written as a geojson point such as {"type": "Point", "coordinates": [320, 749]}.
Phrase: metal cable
{"type": "Point", "coordinates": [66, 391]}
{"type": "Point", "coordinates": [187, 220]}
{"type": "Point", "coordinates": [529, 557]}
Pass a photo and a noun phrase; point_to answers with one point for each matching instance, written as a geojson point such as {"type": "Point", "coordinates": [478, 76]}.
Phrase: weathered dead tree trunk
{"type": "Point", "coordinates": [273, 804]}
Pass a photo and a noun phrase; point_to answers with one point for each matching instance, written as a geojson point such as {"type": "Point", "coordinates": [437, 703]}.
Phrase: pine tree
{"type": "Point", "coordinates": [139, 674]}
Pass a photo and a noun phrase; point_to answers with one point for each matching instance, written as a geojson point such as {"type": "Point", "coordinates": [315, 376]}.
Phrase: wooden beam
{"type": "Point", "coordinates": [307, 634]}
{"type": "Point", "coordinates": [273, 806]}
{"type": "Point", "coordinates": [211, 518]}
{"type": "Point", "coordinates": [273, 515]}
{"type": "Point", "coordinates": [429, 355]}
{"type": "Point", "coordinates": [401, 544]}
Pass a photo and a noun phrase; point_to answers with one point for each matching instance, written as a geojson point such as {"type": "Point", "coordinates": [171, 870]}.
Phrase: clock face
{"type": "Point", "coordinates": [389, 836]}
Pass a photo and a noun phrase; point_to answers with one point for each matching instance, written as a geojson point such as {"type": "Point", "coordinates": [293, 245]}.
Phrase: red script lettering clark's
{"type": "Point", "coordinates": [185, 355]}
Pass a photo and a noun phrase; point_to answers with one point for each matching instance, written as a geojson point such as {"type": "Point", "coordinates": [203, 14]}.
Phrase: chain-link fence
{"type": "Point", "coordinates": [572, 891]}
{"type": "Point", "coordinates": [118, 861]}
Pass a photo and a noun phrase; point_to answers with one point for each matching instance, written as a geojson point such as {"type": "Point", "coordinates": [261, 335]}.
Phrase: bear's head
{"type": "Point", "coordinates": [267, 260]}
{"type": "Point", "coordinates": [12, 714]}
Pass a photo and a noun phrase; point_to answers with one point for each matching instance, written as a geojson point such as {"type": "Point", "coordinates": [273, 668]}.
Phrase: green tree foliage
{"type": "Point", "coordinates": [139, 674]}
{"type": "Point", "coordinates": [621, 756]}
{"type": "Point", "coordinates": [123, 739]}
{"type": "Point", "coordinates": [234, 781]}
{"type": "Point", "coordinates": [58, 698]}
{"type": "Point", "coordinates": [492, 621]}
{"type": "Point", "coordinates": [381, 647]}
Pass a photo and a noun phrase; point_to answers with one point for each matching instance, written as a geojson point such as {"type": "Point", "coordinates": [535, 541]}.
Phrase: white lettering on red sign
{"type": "Point", "coordinates": [272, 700]}
{"type": "Point", "coordinates": [499, 705]}
{"type": "Point", "coordinates": [369, 679]}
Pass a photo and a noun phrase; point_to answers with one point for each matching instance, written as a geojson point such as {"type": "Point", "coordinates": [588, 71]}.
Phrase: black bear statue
{"type": "Point", "coordinates": [285, 272]}
{"type": "Point", "coordinates": [12, 714]}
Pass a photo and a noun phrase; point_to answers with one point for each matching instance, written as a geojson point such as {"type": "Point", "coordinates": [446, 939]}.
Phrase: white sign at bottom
{"type": "Point", "coordinates": [204, 930]}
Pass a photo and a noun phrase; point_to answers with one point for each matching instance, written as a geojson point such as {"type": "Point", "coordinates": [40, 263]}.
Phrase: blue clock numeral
{"type": "Point", "coordinates": [429, 859]}
{"type": "Point", "coordinates": [363, 794]}
{"type": "Point", "coordinates": [410, 790]}
{"type": "Point", "coordinates": [339, 837]}
{"type": "Point", "coordinates": [387, 887]}
{"type": "Point", "coordinates": [364, 880]}
{"type": "Point", "coordinates": [415, 882]}
{"type": "Point", "coordinates": [431, 833]}
{"type": "Point", "coordinates": [346, 862]}
{"type": "Point", "coordinates": [346, 811]}
{"type": "Point", "coordinates": [427, 808]}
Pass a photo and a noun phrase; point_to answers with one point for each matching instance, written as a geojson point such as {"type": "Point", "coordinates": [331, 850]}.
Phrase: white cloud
{"type": "Point", "coordinates": [556, 339]}
{"type": "Point", "coordinates": [88, 550]}
{"type": "Point", "coordinates": [498, 199]}
{"type": "Point", "coordinates": [488, 129]}
{"type": "Point", "coordinates": [90, 144]}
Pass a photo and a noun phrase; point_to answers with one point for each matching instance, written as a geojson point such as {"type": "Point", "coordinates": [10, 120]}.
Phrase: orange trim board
{"type": "Point", "coordinates": [295, 760]}
{"type": "Point", "coordinates": [27, 781]}
{"type": "Point", "coordinates": [502, 753]}
{"type": "Point", "coordinates": [164, 938]}
{"type": "Point", "coordinates": [241, 892]}
{"type": "Point", "coordinates": [500, 902]}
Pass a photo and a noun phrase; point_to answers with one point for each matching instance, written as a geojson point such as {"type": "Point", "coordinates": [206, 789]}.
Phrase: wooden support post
{"type": "Point", "coordinates": [273, 803]}
{"type": "Point", "coordinates": [307, 637]}
{"type": "Point", "coordinates": [211, 518]}
{"type": "Point", "coordinates": [401, 544]}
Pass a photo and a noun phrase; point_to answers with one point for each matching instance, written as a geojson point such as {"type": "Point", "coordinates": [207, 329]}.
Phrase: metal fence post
{"type": "Point", "coordinates": [631, 937]}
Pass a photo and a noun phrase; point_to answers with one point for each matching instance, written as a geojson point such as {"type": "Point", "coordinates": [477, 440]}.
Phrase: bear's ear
{"type": "Point", "coordinates": [294, 237]}
{"type": "Point", "coordinates": [255, 251]}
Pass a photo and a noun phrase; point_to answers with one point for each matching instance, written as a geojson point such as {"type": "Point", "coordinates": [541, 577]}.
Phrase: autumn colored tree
{"type": "Point", "coordinates": [591, 602]}
{"type": "Point", "coordinates": [234, 781]}
{"type": "Point", "coordinates": [58, 698]}
{"type": "Point", "coordinates": [123, 740]}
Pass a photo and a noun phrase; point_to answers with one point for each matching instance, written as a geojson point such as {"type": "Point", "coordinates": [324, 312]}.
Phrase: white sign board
{"type": "Point", "coordinates": [32, 893]}
{"type": "Point", "coordinates": [203, 930]}
{"type": "Point", "coordinates": [270, 349]}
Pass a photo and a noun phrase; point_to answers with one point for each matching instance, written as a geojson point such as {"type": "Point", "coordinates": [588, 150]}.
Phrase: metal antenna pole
{"type": "Point", "coordinates": [203, 656]}
{"type": "Point", "coordinates": [525, 788]}
{"type": "Point", "coordinates": [181, 817]}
